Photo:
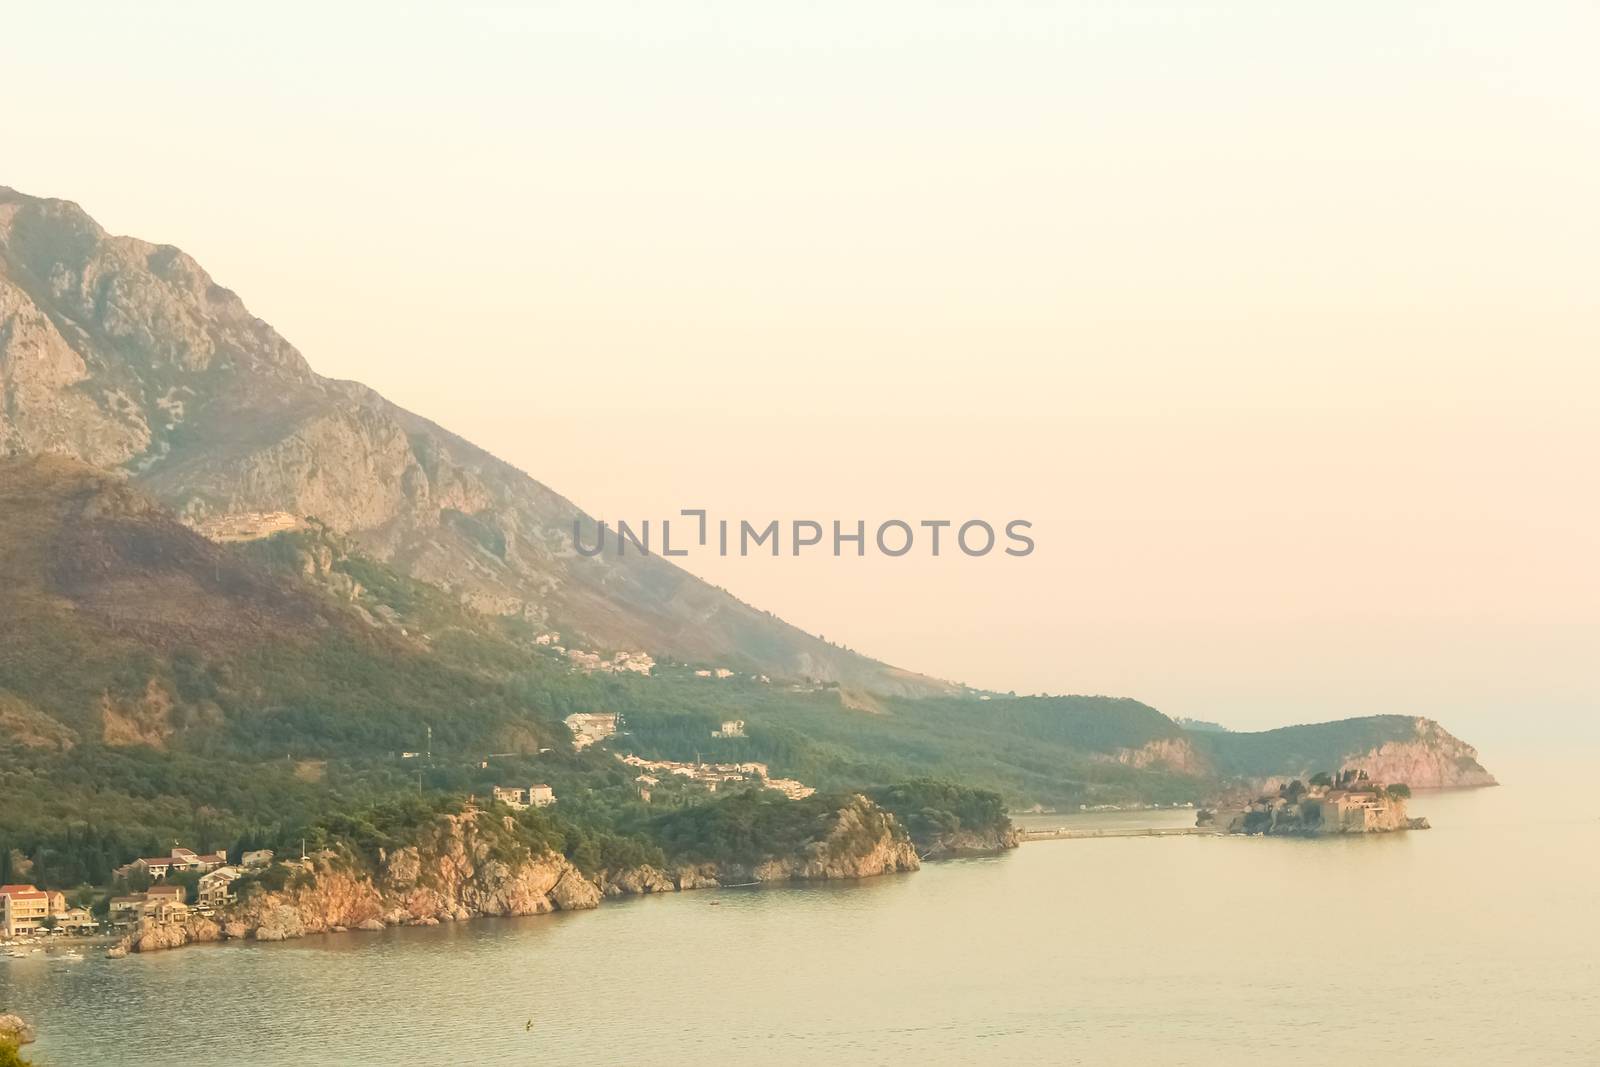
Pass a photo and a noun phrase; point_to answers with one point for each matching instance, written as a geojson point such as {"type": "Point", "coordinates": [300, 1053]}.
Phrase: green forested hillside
{"type": "Point", "coordinates": [157, 686]}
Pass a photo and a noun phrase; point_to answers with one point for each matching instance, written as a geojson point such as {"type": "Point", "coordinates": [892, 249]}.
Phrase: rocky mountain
{"type": "Point", "coordinates": [392, 576]}
{"type": "Point", "coordinates": [1389, 748]}
{"type": "Point", "coordinates": [126, 355]}
{"type": "Point", "coordinates": [121, 626]}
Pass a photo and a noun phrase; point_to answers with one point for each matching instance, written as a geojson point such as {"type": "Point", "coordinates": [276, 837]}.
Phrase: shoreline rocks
{"type": "Point", "coordinates": [467, 866]}
{"type": "Point", "coordinates": [975, 843]}
{"type": "Point", "coordinates": [15, 1030]}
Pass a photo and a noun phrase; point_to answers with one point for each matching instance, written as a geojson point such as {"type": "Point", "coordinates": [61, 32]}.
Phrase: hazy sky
{"type": "Point", "coordinates": [1280, 321]}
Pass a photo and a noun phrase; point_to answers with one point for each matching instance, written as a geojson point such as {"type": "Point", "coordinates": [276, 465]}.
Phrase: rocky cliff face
{"type": "Point", "coordinates": [972, 842]}
{"type": "Point", "coordinates": [1167, 753]}
{"type": "Point", "coordinates": [864, 842]}
{"type": "Point", "coordinates": [466, 866]}
{"type": "Point", "coordinates": [1432, 759]}
{"type": "Point", "coordinates": [1389, 748]}
{"type": "Point", "coordinates": [128, 356]}
{"type": "Point", "coordinates": [461, 867]}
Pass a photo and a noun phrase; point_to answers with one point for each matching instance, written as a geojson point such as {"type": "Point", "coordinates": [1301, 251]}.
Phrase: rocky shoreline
{"type": "Point", "coordinates": [461, 868]}
{"type": "Point", "coordinates": [14, 1030]}
{"type": "Point", "coordinates": [974, 843]}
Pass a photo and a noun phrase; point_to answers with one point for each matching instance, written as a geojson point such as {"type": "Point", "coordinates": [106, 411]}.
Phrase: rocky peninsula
{"type": "Point", "coordinates": [480, 863]}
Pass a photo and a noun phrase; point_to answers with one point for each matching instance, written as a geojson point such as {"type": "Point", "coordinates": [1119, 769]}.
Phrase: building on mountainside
{"type": "Point", "coordinates": [180, 859]}
{"type": "Point", "coordinates": [216, 887]}
{"type": "Point", "coordinates": [792, 788]}
{"type": "Point", "coordinates": [164, 912]}
{"type": "Point", "coordinates": [161, 904]}
{"type": "Point", "coordinates": [713, 775]}
{"type": "Point", "coordinates": [511, 796]}
{"type": "Point", "coordinates": [635, 662]}
{"type": "Point", "coordinates": [589, 727]}
{"type": "Point", "coordinates": [521, 798]}
{"type": "Point", "coordinates": [25, 909]}
{"type": "Point", "coordinates": [730, 728]}
{"type": "Point", "coordinates": [261, 857]}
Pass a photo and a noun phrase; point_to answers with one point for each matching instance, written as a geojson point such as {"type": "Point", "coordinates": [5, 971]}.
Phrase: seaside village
{"type": "Point", "coordinates": [162, 890]}
{"type": "Point", "coordinates": [29, 914]}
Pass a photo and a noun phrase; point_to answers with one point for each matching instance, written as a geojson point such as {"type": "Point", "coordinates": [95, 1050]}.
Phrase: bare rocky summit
{"type": "Point", "coordinates": [128, 356]}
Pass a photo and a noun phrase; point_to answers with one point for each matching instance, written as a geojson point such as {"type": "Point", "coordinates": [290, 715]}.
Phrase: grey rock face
{"type": "Point", "coordinates": [129, 356]}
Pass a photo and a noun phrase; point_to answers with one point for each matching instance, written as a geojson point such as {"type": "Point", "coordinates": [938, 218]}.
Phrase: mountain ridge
{"type": "Point", "coordinates": [127, 355]}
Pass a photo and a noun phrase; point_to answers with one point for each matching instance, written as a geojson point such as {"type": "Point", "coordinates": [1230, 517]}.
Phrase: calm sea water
{"type": "Point", "coordinates": [1475, 942]}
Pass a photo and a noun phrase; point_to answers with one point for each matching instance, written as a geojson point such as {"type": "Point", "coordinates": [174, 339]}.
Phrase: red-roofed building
{"type": "Point", "coordinates": [181, 859]}
{"type": "Point", "coordinates": [24, 908]}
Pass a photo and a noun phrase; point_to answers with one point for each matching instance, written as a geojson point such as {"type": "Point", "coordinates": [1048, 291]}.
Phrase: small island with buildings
{"type": "Point", "coordinates": [1349, 803]}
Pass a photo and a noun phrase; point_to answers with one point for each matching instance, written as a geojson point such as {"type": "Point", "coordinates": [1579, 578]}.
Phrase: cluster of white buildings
{"type": "Point", "coordinates": [524, 797]}
{"type": "Point", "coordinates": [26, 910]}
{"type": "Point", "coordinates": [711, 775]}
{"type": "Point", "coordinates": [590, 726]}
{"type": "Point", "coordinates": [588, 661]}
{"type": "Point", "coordinates": [162, 904]}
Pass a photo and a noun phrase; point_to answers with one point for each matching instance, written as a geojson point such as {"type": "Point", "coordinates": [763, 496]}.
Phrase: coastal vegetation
{"type": "Point", "coordinates": [11, 1055]}
{"type": "Point", "coordinates": [158, 686]}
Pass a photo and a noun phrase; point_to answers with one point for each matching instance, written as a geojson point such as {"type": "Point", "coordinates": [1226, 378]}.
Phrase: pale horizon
{"type": "Point", "coordinates": [1280, 328]}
